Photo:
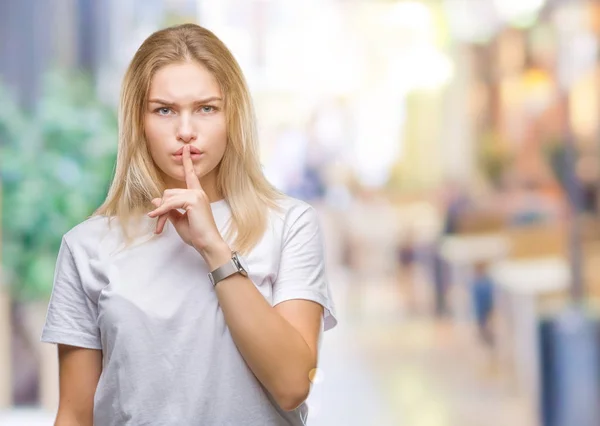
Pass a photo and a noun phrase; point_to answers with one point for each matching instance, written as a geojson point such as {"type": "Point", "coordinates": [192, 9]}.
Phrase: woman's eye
{"type": "Point", "coordinates": [163, 111]}
{"type": "Point", "coordinates": [207, 109]}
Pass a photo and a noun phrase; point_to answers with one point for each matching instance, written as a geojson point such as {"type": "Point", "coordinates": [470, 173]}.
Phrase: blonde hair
{"type": "Point", "coordinates": [239, 178]}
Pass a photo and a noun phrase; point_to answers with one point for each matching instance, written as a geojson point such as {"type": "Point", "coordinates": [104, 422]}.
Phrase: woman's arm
{"type": "Point", "coordinates": [79, 372]}
{"type": "Point", "coordinates": [279, 343]}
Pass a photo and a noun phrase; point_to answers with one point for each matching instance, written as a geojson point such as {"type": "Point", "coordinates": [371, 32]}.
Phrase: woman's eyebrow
{"type": "Point", "coordinates": [199, 101]}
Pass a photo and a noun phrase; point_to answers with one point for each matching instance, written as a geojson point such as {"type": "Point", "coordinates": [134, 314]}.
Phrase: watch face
{"type": "Point", "coordinates": [241, 262]}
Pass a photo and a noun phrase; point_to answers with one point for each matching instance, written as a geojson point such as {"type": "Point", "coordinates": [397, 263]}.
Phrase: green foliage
{"type": "Point", "coordinates": [55, 167]}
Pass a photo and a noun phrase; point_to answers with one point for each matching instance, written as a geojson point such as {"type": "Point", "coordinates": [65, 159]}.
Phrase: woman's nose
{"type": "Point", "coordinates": [185, 130]}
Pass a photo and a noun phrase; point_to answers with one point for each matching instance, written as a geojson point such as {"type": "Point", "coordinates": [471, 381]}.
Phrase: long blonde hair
{"type": "Point", "coordinates": [240, 178]}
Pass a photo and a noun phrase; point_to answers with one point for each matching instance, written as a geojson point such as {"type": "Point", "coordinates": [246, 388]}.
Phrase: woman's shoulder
{"type": "Point", "coordinates": [292, 210]}
{"type": "Point", "coordinates": [92, 232]}
{"type": "Point", "coordinates": [90, 228]}
{"type": "Point", "coordinates": [287, 205]}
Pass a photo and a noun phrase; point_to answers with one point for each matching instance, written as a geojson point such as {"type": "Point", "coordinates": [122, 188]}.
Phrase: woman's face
{"type": "Point", "coordinates": [185, 107]}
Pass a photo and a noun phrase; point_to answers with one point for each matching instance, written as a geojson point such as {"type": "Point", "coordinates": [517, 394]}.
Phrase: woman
{"type": "Point", "coordinates": [215, 318]}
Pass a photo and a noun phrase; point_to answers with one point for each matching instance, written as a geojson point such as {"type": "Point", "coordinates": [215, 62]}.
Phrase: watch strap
{"type": "Point", "coordinates": [223, 272]}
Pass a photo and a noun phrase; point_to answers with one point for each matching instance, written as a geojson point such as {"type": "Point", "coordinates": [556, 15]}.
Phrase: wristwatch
{"type": "Point", "coordinates": [237, 265]}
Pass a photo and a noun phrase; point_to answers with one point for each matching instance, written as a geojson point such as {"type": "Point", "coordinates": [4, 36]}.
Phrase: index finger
{"type": "Point", "coordinates": [191, 180]}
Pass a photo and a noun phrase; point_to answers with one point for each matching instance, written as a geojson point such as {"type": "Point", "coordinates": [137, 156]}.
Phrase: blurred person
{"type": "Point", "coordinates": [588, 175]}
{"type": "Point", "coordinates": [455, 202]}
{"type": "Point", "coordinates": [196, 294]}
{"type": "Point", "coordinates": [406, 254]}
{"type": "Point", "coordinates": [441, 278]}
{"type": "Point", "coordinates": [482, 294]}
{"type": "Point", "coordinates": [328, 143]}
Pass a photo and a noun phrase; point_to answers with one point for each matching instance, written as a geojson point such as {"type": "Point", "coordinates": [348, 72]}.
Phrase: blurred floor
{"type": "Point", "coordinates": [385, 365]}
{"type": "Point", "coordinates": [421, 371]}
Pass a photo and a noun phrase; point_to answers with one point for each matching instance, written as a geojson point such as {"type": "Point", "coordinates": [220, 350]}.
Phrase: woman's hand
{"type": "Point", "coordinates": [197, 225]}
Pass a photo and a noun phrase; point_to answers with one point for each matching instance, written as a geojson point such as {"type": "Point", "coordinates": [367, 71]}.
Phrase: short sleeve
{"type": "Point", "coordinates": [301, 272]}
{"type": "Point", "coordinates": [72, 316]}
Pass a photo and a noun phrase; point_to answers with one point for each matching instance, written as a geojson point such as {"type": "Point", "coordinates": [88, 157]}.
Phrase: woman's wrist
{"type": "Point", "coordinates": [216, 254]}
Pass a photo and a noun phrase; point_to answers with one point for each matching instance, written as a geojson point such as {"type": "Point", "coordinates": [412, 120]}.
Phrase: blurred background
{"type": "Point", "coordinates": [451, 147]}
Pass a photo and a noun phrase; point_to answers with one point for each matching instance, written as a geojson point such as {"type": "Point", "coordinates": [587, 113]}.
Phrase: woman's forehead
{"type": "Point", "coordinates": [186, 82]}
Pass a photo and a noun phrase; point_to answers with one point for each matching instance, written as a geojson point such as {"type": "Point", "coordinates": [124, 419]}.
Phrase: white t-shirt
{"type": "Point", "coordinates": [168, 355]}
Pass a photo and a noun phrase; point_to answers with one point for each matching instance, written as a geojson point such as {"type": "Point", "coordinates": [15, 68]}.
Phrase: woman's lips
{"type": "Point", "coordinates": [193, 150]}
{"type": "Point", "coordinates": [195, 156]}
{"type": "Point", "coordinates": [195, 153]}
